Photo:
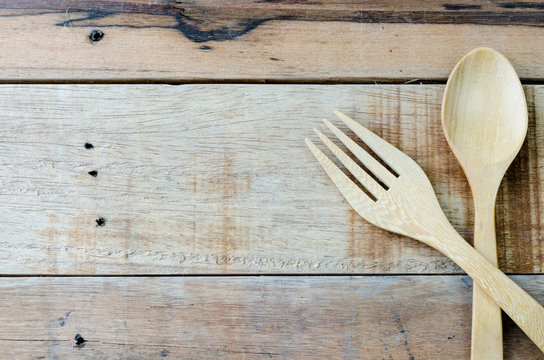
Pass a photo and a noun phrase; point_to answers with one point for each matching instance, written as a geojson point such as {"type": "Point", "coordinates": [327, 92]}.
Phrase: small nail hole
{"type": "Point", "coordinates": [89, 146]}
{"type": "Point", "coordinates": [100, 221]}
{"type": "Point", "coordinates": [93, 173]}
{"type": "Point", "coordinates": [96, 35]}
{"type": "Point", "coordinates": [79, 341]}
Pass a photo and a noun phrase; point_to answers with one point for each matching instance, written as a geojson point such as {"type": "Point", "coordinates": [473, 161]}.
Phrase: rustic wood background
{"type": "Point", "coordinates": [159, 201]}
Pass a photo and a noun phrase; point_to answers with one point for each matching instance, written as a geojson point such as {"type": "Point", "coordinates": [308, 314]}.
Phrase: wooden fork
{"type": "Point", "coordinates": [409, 207]}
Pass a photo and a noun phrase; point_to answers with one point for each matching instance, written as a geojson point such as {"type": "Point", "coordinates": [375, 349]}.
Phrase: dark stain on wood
{"type": "Point", "coordinates": [194, 33]}
{"type": "Point", "coordinates": [514, 219]}
{"type": "Point", "coordinates": [63, 319]}
{"type": "Point", "coordinates": [461, 6]}
{"type": "Point", "coordinates": [92, 14]}
{"type": "Point", "coordinates": [522, 5]}
{"type": "Point", "coordinates": [301, 2]}
{"type": "Point", "coordinates": [402, 330]}
{"type": "Point", "coordinates": [448, 17]}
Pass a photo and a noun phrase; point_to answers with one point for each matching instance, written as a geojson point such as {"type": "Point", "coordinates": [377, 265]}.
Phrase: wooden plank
{"type": "Point", "coordinates": [254, 40]}
{"type": "Point", "coordinates": [369, 317]}
{"type": "Point", "coordinates": [217, 179]}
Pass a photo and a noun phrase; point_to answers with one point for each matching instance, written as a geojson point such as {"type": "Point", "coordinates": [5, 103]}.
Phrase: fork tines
{"type": "Point", "coordinates": [379, 146]}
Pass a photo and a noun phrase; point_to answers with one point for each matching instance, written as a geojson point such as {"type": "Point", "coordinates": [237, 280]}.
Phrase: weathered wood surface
{"type": "Point", "coordinates": [254, 40]}
{"type": "Point", "coordinates": [217, 179]}
{"type": "Point", "coordinates": [362, 317]}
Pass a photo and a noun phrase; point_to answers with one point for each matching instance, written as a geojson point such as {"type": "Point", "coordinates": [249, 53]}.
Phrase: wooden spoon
{"type": "Point", "coordinates": [484, 117]}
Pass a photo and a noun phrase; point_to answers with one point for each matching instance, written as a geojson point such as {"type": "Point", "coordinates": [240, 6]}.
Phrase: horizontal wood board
{"type": "Point", "coordinates": [368, 317]}
{"type": "Point", "coordinates": [217, 179]}
{"type": "Point", "coordinates": [254, 40]}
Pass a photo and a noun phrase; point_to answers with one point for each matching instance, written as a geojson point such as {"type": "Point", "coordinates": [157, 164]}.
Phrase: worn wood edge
{"type": "Point", "coordinates": [299, 317]}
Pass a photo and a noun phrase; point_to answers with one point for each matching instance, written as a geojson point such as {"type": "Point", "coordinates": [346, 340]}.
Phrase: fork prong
{"type": "Point", "coordinates": [366, 159]}
{"type": "Point", "coordinates": [362, 176]}
{"type": "Point", "coordinates": [351, 192]}
{"type": "Point", "coordinates": [387, 152]}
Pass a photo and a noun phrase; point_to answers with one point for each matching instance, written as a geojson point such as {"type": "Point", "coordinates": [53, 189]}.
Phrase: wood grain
{"type": "Point", "coordinates": [217, 179]}
{"type": "Point", "coordinates": [254, 40]}
{"type": "Point", "coordinates": [390, 317]}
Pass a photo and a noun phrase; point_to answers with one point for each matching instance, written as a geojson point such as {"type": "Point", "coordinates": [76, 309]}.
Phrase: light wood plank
{"type": "Point", "coordinates": [218, 179]}
{"type": "Point", "coordinates": [393, 317]}
{"type": "Point", "coordinates": [255, 40]}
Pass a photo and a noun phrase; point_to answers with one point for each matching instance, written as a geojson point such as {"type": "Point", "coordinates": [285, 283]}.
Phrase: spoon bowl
{"type": "Point", "coordinates": [486, 121]}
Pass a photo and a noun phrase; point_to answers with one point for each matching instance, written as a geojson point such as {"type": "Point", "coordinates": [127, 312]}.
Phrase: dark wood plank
{"type": "Point", "coordinates": [254, 40]}
{"type": "Point", "coordinates": [369, 317]}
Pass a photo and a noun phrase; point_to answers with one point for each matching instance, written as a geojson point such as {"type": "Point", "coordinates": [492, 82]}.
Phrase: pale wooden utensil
{"type": "Point", "coordinates": [409, 207]}
{"type": "Point", "coordinates": [484, 117]}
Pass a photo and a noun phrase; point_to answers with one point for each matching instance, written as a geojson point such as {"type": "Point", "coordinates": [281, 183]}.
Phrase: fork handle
{"type": "Point", "coordinates": [526, 312]}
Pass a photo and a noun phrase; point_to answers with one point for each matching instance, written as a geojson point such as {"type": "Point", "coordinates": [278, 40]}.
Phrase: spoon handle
{"type": "Point", "coordinates": [486, 315]}
{"type": "Point", "coordinates": [486, 327]}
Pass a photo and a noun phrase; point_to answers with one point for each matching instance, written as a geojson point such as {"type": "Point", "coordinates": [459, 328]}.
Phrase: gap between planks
{"type": "Point", "coordinates": [249, 275]}
{"type": "Point", "coordinates": [317, 81]}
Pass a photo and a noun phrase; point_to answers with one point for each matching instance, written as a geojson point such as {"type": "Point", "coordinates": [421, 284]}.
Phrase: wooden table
{"type": "Point", "coordinates": [157, 197]}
